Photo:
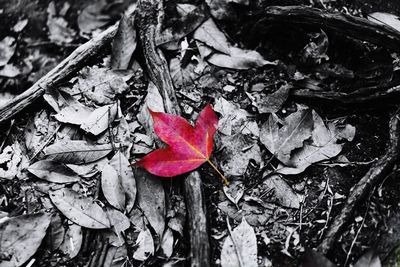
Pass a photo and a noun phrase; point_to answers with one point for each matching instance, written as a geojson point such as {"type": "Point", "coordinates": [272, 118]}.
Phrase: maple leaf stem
{"type": "Point", "coordinates": [226, 182]}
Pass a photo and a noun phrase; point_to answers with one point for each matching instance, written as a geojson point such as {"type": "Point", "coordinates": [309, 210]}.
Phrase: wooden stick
{"type": "Point", "coordinates": [157, 68]}
{"type": "Point", "coordinates": [358, 193]}
{"type": "Point", "coordinates": [358, 28]}
{"type": "Point", "coordinates": [70, 65]}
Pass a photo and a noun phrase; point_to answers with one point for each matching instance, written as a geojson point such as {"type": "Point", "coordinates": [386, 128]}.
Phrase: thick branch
{"type": "Point", "coordinates": [59, 74]}
{"type": "Point", "coordinates": [157, 68]}
{"type": "Point", "coordinates": [358, 193]}
{"type": "Point", "coordinates": [349, 25]}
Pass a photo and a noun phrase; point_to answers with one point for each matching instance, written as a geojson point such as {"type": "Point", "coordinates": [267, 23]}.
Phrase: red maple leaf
{"type": "Point", "coordinates": [188, 146]}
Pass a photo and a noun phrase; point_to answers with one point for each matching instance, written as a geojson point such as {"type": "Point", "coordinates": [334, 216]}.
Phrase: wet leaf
{"type": "Point", "coordinates": [77, 152]}
{"type": "Point", "coordinates": [151, 199]}
{"type": "Point", "coordinates": [100, 119]}
{"type": "Point", "coordinates": [240, 247]}
{"type": "Point", "coordinates": [145, 246]}
{"type": "Point", "coordinates": [121, 164]}
{"type": "Point", "coordinates": [188, 146]}
{"type": "Point", "coordinates": [111, 186]}
{"type": "Point", "coordinates": [281, 192]}
{"type": "Point", "coordinates": [21, 236]}
{"type": "Point", "coordinates": [282, 141]}
{"type": "Point", "coordinates": [72, 241]}
{"type": "Point", "coordinates": [53, 171]}
{"type": "Point", "coordinates": [124, 44]}
{"type": "Point", "coordinates": [83, 211]}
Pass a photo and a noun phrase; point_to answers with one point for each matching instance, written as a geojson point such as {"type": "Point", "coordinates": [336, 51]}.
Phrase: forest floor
{"type": "Point", "coordinates": [294, 153]}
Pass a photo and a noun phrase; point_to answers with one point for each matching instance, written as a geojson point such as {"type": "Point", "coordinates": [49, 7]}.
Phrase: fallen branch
{"type": "Point", "coordinates": [358, 28]}
{"type": "Point", "coordinates": [157, 68]}
{"type": "Point", "coordinates": [69, 66]}
{"type": "Point", "coordinates": [374, 176]}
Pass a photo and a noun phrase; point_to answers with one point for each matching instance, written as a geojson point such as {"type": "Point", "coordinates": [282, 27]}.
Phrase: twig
{"type": "Point", "coordinates": [149, 16]}
{"type": "Point", "coordinates": [73, 63]}
{"type": "Point", "coordinates": [374, 176]}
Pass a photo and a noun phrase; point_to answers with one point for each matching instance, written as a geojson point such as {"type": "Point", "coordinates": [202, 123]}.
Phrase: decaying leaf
{"type": "Point", "coordinates": [72, 241]}
{"type": "Point", "coordinates": [124, 44]}
{"type": "Point", "coordinates": [111, 186]}
{"type": "Point", "coordinates": [100, 119]}
{"type": "Point", "coordinates": [270, 103]}
{"type": "Point", "coordinates": [121, 164]}
{"type": "Point", "coordinates": [188, 146]}
{"type": "Point", "coordinates": [10, 159]}
{"type": "Point", "coordinates": [83, 211]}
{"type": "Point", "coordinates": [234, 191]}
{"type": "Point", "coordinates": [281, 192]}
{"type": "Point", "coordinates": [237, 151]}
{"type": "Point", "coordinates": [151, 199]}
{"type": "Point", "coordinates": [53, 171]}
{"type": "Point", "coordinates": [77, 152]}
{"type": "Point", "coordinates": [240, 247]}
{"type": "Point", "coordinates": [182, 76]}
{"type": "Point", "coordinates": [297, 128]}
{"type": "Point", "coordinates": [255, 213]}
{"type": "Point", "coordinates": [21, 236]}
{"type": "Point", "coordinates": [145, 246]}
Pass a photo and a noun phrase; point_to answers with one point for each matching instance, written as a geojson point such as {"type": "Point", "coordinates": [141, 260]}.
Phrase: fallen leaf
{"type": "Point", "coordinates": [116, 257]}
{"type": "Point", "coordinates": [188, 146]}
{"type": "Point", "coordinates": [234, 191]}
{"type": "Point", "coordinates": [100, 119]}
{"type": "Point", "coordinates": [20, 25]}
{"type": "Point", "coordinates": [119, 224]}
{"type": "Point", "coordinates": [209, 34]}
{"type": "Point", "coordinates": [322, 146]}
{"type": "Point", "coordinates": [145, 246]}
{"type": "Point", "coordinates": [255, 214]}
{"type": "Point", "coordinates": [59, 32]}
{"type": "Point", "coordinates": [10, 159]}
{"type": "Point", "coordinates": [7, 48]}
{"type": "Point", "coordinates": [77, 152]}
{"type": "Point", "coordinates": [124, 44]}
{"type": "Point", "coordinates": [182, 76]}
{"type": "Point", "coordinates": [387, 19]}
{"type": "Point", "coordinates": [234, 120]}
{"type": "Point", "coordinates": [53, 171]}
{"type": "Point", "coordinates": [21, 236]}
{"type": "Point", "coordinates": [269, 103]}
{"type": "Point", "coordinates": [369, 259]}
{"type": "Point", "coordinates": [240, 247]}
{"type": "Point", "coordinates": [55, 233]}
{"type": "Point", "coordinates": [281, 192]}
{"type": "Point", "coordinates": [237, 151]}
{"type": "Point", "coordinates": [111, 185]}
{"type": "Point", "coordinates": [72, 241]}
{"type": "Point", "coordinates": [151, 199]}
{"type": "Point", "coordinates": [167, 243]}
{"type": "Point", "coordinates": [92, 17]}
{"type": "Point", "coordinates": [185, 25]}
{"type": "Point", "coordinates": [83, 211]}
{"type": "Point", "coordinates": [297, 128]}
{"type": "Point", "coordinates": [102, 85]}
{"type": "Point", "coordinates": [121, 164]}
{"type": "Point", "coordinates": [220, 9]}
